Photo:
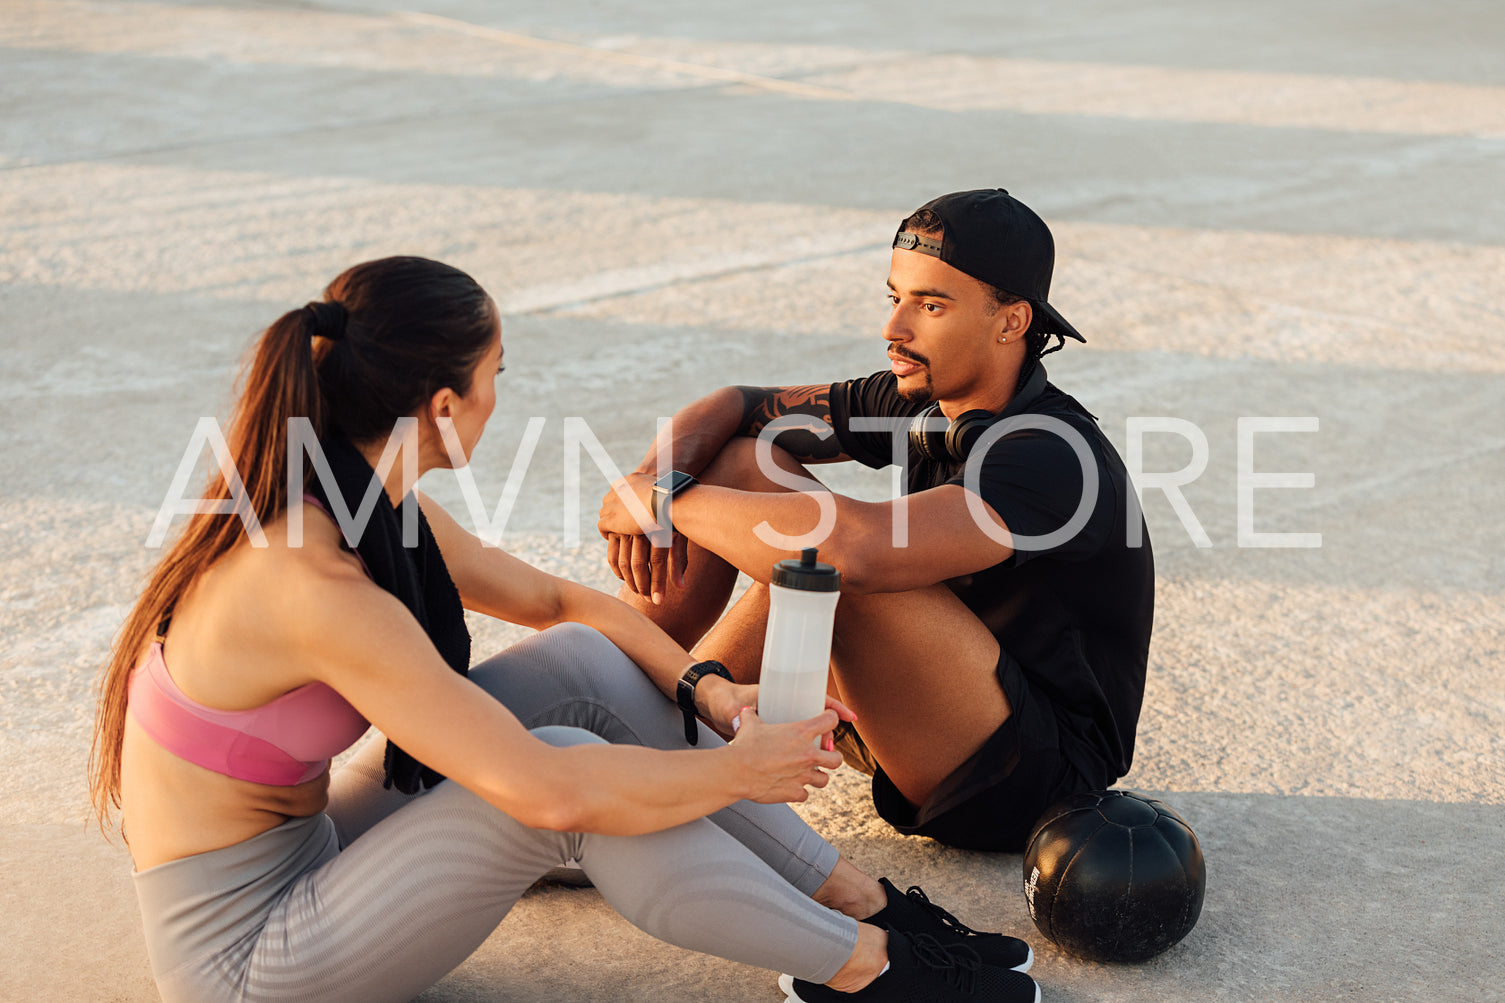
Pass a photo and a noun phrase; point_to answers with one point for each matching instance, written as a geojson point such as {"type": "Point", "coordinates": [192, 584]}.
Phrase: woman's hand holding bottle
{"type": "Point", "coordinates": [779, 762]}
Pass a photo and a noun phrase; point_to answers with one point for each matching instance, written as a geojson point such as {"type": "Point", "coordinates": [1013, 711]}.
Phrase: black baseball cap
{"type": "Point", "coordinates": [996, 239]}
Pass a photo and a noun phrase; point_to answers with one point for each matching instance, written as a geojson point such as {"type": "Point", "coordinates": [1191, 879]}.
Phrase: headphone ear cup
{"type": "Point", "coordinates": [928, 442]}
{"type": "Point", "coordinates": [964, 432]}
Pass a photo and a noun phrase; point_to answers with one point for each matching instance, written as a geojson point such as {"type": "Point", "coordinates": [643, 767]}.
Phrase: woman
{"type": "Point", "coordinates": [247, 663]}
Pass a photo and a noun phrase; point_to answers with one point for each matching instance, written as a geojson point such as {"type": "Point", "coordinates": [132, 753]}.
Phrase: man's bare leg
{"type": "Point", "coordinates": [918, 667]}
{"type": "Point", "coordinates": [687, 613]}
{"type": "Point", "coordinates": [737, 640]}
{"type": "Point", "coordinates": [920, 671]}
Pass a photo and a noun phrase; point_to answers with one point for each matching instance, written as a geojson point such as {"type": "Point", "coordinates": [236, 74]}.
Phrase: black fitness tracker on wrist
{"type": "Point", "coordinates": [684, 693]}
{"type": "Point", "coordinates": [666, 487]}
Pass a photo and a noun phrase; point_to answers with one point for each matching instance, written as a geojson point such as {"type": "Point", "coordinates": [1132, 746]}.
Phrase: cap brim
{"type": "Point", "coordinates": [1058, 323]}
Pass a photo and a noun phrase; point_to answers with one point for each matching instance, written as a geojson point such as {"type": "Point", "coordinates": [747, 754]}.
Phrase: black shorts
{"type": "Point", "coordinates": [991, 801]}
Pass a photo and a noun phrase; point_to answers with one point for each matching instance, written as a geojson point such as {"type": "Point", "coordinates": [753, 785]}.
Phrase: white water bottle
{"type": "Point", "coordinates": [802, 599]}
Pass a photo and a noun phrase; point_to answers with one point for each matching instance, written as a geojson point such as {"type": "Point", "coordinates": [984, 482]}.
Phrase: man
{"type": "Point", "coordinates": [994, 622]}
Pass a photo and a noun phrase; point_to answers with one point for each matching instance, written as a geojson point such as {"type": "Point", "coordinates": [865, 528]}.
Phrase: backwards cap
{"type": "Point", "coordinates": [995, 238]}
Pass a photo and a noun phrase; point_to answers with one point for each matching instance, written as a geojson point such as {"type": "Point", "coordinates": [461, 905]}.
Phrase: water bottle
{"type": "Point", "coordinates": [802, 598]}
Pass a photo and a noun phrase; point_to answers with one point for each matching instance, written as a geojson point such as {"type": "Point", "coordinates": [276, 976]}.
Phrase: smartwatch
{"type": "Point", "coordinates": [666, 487]}
{"type": "Point", "coordinates": [684, 693]}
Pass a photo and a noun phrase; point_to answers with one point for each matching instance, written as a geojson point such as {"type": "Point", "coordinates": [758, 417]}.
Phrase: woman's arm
{"type": "Point", "coordinates": [362, 642]}
{"type": "Point", "coordinates": [493, 582]}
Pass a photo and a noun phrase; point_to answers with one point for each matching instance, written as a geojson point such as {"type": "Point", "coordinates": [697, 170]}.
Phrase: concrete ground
{"type": "Point", "coordinates": [1281, 209]}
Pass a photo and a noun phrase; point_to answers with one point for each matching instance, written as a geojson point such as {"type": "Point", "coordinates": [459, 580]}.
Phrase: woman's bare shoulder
{"type": "Point", "coordinates": [258, 603]}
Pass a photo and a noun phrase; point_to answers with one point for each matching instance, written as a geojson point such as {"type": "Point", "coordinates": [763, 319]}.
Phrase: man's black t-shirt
{"type": "Point", "coordinates": [1073, 606]}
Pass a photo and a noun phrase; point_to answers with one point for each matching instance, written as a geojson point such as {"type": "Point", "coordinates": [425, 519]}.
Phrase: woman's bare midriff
{"type": "Point", "coordinates": [172, 808]}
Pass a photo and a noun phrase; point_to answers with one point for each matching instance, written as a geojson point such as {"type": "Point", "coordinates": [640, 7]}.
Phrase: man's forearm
{"type": "Point", "coordinates": [753, 530]}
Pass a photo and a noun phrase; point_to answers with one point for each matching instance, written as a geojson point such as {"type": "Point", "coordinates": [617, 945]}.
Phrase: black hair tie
{"type": "Point", "coordinates": [326, 320]}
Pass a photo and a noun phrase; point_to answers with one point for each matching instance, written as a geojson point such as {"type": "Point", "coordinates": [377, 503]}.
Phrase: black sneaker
{"type": "Point", "coordinates": [913, 912]}
{"type": "Point", "coordinates": [923, 970]}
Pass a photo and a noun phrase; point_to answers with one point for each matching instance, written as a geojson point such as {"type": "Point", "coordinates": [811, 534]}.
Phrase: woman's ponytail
{"type": "Point", "coordinates": [386, 336]}
{"type": "Point", "coordinates": [279, 382]}
{"type": "Point", "coordinates": [326, 319]}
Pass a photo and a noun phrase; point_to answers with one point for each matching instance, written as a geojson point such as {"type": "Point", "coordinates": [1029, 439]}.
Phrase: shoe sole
{"type": "Point", "coordinates": [786, 983]}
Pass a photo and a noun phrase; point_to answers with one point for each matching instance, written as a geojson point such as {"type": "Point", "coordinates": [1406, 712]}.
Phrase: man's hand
{"type": "Point", "coordinates": [617, 515]}
{"type": "Point", "coordinates": [631, 555]}
{"type": "Point", "coordinates": [644, 568]}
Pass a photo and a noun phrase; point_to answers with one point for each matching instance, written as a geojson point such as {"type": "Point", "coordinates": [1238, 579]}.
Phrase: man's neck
{"type": "Point", "coordinates": [995, 405]}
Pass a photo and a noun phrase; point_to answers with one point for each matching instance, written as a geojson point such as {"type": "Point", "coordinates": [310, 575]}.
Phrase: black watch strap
{"type": "Point", "coordinates": [684, 693]}
{"type": "Point", "coordinates": [664, 489]}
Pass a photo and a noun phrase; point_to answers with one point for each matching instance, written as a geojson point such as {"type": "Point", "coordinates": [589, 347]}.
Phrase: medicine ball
{"type": "Point", "coordinates": [1113, 876]}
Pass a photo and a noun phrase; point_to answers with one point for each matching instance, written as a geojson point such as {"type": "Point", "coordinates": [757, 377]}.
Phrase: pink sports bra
{"type": "Point", "coordinates": [288, 741]}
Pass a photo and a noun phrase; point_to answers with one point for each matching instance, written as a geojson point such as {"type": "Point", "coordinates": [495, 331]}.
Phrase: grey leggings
{"type": "Point", "coordinates": [384, 894]}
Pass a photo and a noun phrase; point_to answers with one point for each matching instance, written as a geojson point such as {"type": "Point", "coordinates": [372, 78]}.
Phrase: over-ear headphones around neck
{"type": "Point", "coordinates": [954, 442]}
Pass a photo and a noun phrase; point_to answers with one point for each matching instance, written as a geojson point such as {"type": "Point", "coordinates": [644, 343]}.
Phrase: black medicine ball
{"type": "Point", "coordinates": [1113, 876]}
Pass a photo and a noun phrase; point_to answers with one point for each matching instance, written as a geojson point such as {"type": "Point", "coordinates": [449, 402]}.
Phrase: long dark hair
{"type": "Point", "coordinates": [386, 336]}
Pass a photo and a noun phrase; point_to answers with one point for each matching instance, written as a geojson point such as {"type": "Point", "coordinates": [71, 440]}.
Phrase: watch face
{"type": "Point", "coordinates": [674, 481]}
{"type": "Point", "coordinates": [664, 488]}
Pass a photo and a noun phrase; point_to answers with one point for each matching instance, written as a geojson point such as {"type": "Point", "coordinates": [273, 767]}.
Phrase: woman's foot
{"type": "Point", "coordinates": [914, 913]}
{"type": "Point", "coordinates": [922, 968]}
{"type": "Point", "coordinates": [850, 891]}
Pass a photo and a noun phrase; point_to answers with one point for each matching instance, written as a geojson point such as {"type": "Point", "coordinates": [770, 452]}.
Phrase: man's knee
{"type": "Point", "coordinates": [738, 466]}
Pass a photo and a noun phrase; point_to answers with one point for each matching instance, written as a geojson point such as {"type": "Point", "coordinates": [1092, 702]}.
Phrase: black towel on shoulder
{"type": "Point", "coordinates": [415, 575]}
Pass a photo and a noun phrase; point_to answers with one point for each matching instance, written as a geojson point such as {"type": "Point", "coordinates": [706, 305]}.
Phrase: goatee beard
{"type": "Point", "coordinates": [919, 395]}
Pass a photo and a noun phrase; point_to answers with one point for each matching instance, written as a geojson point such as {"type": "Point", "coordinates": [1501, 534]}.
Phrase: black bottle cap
{"type": "Point", "coordinates": [806, 574]}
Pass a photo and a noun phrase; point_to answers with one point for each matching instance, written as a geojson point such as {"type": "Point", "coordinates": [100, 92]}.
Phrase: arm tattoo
{"type": "Point", "coordinates": [762, 405]}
